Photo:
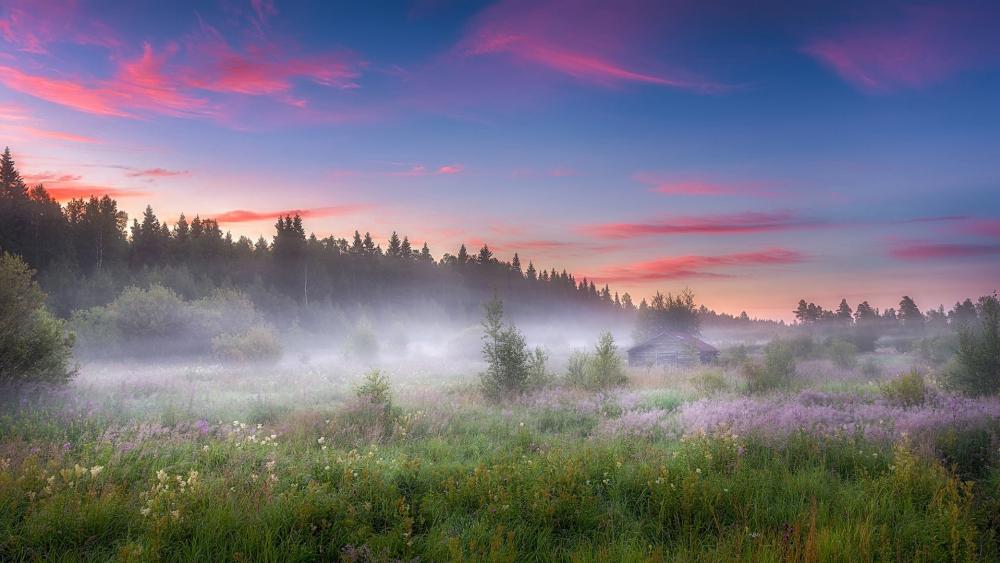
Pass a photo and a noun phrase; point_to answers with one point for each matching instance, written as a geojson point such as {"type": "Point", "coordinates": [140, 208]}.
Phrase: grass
{"type": "Point", "coordinates": [450, 477]}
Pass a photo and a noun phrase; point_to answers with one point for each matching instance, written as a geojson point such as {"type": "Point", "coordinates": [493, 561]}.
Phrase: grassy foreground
{"type": "Point", "coordinates": [456, 479]}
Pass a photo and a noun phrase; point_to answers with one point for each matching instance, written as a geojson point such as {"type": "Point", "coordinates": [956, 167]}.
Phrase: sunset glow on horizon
{"type": "Point", "coordinates": [758, 155]}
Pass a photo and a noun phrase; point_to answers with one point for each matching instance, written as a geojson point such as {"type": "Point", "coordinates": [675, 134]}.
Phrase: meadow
{"type": "Point", "coordinates": [309, 461]}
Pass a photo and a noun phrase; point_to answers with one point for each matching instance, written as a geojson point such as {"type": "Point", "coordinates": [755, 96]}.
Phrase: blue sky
{"type": "Point", "coordinates": [756, 154]}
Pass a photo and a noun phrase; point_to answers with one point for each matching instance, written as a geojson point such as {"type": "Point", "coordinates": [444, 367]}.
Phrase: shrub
{"type": "Point", "coordinates": [711, 382]}
{"type": "Point", "coordinates": [372, 417]}
{"type": "Point", "coordinates": [605, 368]}
{"type": "Point", "coordinates": [153, 312]}
{"type": "Point", "coordinates": [599, 370]}
{"type": "Point", "coordinates": [576, 368]}
{"type": "Point", "coordinates": [906, 390]}
{"type": "Point", "coordinates": [34, 346]}
{"type": "Point", "coordinates": [977, 370]}
{"type": "Point", "coordinates": [844, 354]}
{"type": "Point", "coordinates": [800, 346]}
{"type": "Point", "coordinates": [257, 344]}
{"type": "Point", "coordinates": [538, 376]}
{"type": "Point", "coordinates": [375, 390]}
{"type": "Point", "coordinates": [775, 372]}
{"type": "Point", "coordinates": [507, 364]}
{"type": "Point", "coordinates": [734, 355]}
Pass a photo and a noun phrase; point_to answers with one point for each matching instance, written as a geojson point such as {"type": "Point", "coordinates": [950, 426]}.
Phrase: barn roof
{"type": "Point", "coordinates": [682, 337]}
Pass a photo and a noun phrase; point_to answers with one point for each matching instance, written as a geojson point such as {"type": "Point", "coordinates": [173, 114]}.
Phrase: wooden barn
{"type": "Point", "coordinates": [671, 348]}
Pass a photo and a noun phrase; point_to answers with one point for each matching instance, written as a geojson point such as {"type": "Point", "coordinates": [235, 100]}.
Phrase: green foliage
{"type": "Point", "coordinates": [906, 390]}
{"type": "Point", "coordinates": [734, 355]}
{"type": "Point", "coordinates": [843, 354]}
{"type": "Point", "coordinates": [256, 344]}
{"type": "Point", "coordinates": [711, 382]}
{"type": "Point", "coordinates": [602, 369]}
{"type": "Point", "coordinates": [538, 374]}
{"type": "Point", "coordinates": [375, 389]}
{"type": "Point", "coordinates": [156, 321]}
{"type": "Point", "coordinates": [937, 349]}
{"type": "Point", "coordinates": [34, 346]}
{"type": "Point", "coordinates": [507, 360]}
{"type": "Point", "coordinates": [775, 372]}
{"type": "Point", "coordinates": [977, 370]}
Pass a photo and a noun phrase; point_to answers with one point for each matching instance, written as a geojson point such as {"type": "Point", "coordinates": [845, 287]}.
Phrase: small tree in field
{"type": "Point", "coordinates": [606, 365]}
{"type": "Point", "coordinates": [507, 359]}
{"type": "Point", "coordinates": [34, 346]}
{"type": "Point", "coordinates": [977, 367]}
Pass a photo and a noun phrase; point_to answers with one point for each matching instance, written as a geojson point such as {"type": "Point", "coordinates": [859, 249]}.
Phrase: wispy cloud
{"type": "Point", "coordinates": [64, 187]}
{"type": "Point", "coordinates": [588, 41]}
{"type": "Point", "coordinates": [156, 173]}
{"type": "Point", "coordinates": [749, 222]}
{"type": "Point", "coordinates": [922, 251]}
{"type": "Point", "coordinates": [923, 45]}
{"type": "Point", "coordinates": [245, 216]}
{"type": "Point", "coordinates": [695, 266]}
{"type": "Point", "coordinates": [665, 183]}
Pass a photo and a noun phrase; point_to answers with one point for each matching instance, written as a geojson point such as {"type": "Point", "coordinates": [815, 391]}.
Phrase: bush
{"type": "Point", "coordinates": [844, 354]}
{"type": "Point", "coordinates": [34, 346]}
{"type": "Point", "coordinates": [604, 368]}
{"type": "Point", "coordinates": [372, 417]}
{"type": "Point", "coordinates": [258, 344]}
{"type": "Point", "coordinates": [538, 376]}
{"type": "Point", "coordinates": [576, 368]}
{"type": "Point", "coordinates": [977, 369]}
{"type": "Point", "coordinates": [734, 355]}
{"type": "Point", "coordinates": [375, 390]}
{"type": "Point", "coordinates": [504, 349]}
{"type": "Point", "coordinates": [154, 312]}
{"type": "Point", "coordinates": [775, 372]}
{"type": "Point", "coordinates": [906, 390]}
{"type": "Point", "coordinates": [711, 382]}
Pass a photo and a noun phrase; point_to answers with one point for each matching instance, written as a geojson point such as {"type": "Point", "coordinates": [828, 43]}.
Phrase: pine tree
{"type": "Point", "coordinates": [844, 313]}
{"type": "Point", "coordinates": [463, 255]}
{"type": "Point", "coordinates": [405, 250]}
{"type": "Point", "coordinates": [909, 313]}
{"type": "Point", "coordinates": [369, 245]}
{"type": "Point", "coordinates": [531, 274]}
{"type": "Point", "coordinates": [425, 253]}
{"type": "Point", "coordinates": [395, 248]}
{"type": "Point", "coordinates": [357, 246]}
{"type": "Point", "coordinates": [515, 265]}
{"type": "Point", "coordinates": [485, 255]}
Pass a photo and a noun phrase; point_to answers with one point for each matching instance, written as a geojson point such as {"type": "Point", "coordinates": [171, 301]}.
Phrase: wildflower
{"type": "Point", "coordinates": [204, 448]}
{"type": "Point", "coordinates": [176, 514]}
{"type": "Point", "coordinates": [145, 511]}
{"type": "Point", "coordinates": [96, 470]}
{"type": "Point", "coordinates": [161, 476]}
{"type": "Point", "coordinates": [697, 470]}
{"type": "Point", "coordinates": [321, 440]}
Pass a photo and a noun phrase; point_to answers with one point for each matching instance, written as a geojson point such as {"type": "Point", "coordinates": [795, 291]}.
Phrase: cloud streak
{"type": "Point", "coordinates": [246, 216]}
{"type": "Point", "coordinates": [695, 266]}
{"type": "Point", "coordinates": [924, 45]}
{"type": "Point", "coordinates": [583, 40]}
{"type": "Point", "coordinates": [736, 223]}
{"type": "Point", "coordinates": [922, 251]}
{"type": "Point", "coordinates": [662, 183]}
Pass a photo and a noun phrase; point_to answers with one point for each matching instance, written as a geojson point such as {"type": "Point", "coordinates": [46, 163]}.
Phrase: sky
{"type": "Point", "coordinates": [758, 153]}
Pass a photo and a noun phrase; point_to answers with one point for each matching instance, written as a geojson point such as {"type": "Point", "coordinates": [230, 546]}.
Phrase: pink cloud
{"type": "Point", "coordinates": [749, 222]}
{"type": "Point", "coordinates": [681, 267]}
{"type": "Point", "coordinates": [262, 68]}
{"type": "Point", "coordinates": [418, 170]}
{"type": "Point", "coordinates": [666, 184]}
{"type": "Point", "coordinates": [64, 187]}
{"type": "Point", "coordinates": [918, 251]}
{"type": "Point", "coordinates": [156, 173]}
{"type": "Point", "coordinates": [245, 216]}
{"type": "Point", "coordinates": [31, 26]}
{"type": "Point", "coordinates": [922, 46]}
{"type": "Point", "coordinates": [450, 169]}
{"type": "Point", "coordinates": [983, 227]}
{"type": "Point", "coordinates": [587, 40]}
